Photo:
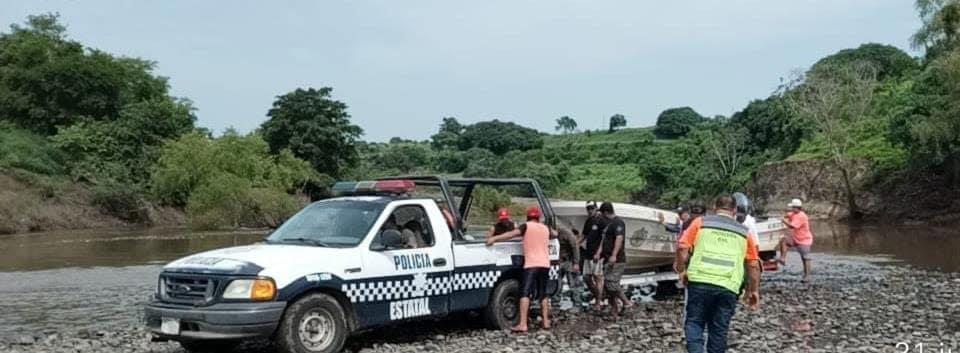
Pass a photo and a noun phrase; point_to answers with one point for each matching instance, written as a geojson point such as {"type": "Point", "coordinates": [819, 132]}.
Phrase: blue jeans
{"type": "Point", "coordinates": [708, 307]}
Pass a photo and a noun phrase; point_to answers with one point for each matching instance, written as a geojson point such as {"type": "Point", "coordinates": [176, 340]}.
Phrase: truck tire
{"type": "Point", "coordinates": [503, 311]}
{"type": "Point", "coordinates": [315, 323]}
{"type": "Point", "coordinates": [209, 346]}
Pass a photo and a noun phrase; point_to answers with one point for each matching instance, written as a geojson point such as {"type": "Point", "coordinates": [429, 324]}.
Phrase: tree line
{"type": "Point", "coordinates": [70, 113]}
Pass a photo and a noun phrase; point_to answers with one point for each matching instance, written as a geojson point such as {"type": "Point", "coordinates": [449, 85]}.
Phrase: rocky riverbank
{"type": "Point", "coordinates": [851, 306]}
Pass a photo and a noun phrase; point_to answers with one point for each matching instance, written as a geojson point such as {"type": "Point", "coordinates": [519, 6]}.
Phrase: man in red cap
{"type": "Point", "coordinates": [504, 223]}
{"type": "Point", "coordinates": [536, 265]}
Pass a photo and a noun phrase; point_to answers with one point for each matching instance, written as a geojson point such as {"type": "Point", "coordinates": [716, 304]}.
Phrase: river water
{"type": "Point", "coordinates": [99, 279]}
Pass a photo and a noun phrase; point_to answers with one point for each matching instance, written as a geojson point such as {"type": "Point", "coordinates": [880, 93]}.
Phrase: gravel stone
{"type": "Point", "coordinates": [852, 305]}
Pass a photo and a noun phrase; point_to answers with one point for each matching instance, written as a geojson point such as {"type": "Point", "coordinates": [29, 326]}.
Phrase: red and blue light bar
{"type": "Point", "coordinates": [374, 187]}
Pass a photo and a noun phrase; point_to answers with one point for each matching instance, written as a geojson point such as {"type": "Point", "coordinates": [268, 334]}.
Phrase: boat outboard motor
{"type": "Point", "coordinates": [744, 207]}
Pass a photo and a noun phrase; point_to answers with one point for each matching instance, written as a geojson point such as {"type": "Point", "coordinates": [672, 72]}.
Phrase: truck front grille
{"type": "Point", "coordinates": [184, 289]}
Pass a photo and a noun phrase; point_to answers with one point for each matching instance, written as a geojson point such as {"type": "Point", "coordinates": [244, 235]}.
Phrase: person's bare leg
{"type": "Point", "coordinates": [598, 281]}
{"type": "Point", "coordinates": [806, 270]}
{"type": "Point", "coordinates": [782, 259]}
{"type": "Point", "coordinates": [591, 285]}
{"type": "Point", "coordinates": [614, 305]}
{"type": "Point", "coordinates": [545, 312]}
{"type": "Point", "coordinates": [627, 303]}
{"type": "Point", "coordinates": [524, 309]}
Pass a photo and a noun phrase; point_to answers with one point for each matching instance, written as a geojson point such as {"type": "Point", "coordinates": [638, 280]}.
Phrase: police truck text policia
{"type": "Point", "coordinates": [377, 254]}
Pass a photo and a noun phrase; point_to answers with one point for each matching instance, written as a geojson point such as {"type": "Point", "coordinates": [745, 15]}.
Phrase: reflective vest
{"type": "Point", "coordinates": [718, 253]}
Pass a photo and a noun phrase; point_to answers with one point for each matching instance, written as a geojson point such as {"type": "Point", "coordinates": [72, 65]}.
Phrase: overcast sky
{"type": "Point", "coordinates": [403, 65]}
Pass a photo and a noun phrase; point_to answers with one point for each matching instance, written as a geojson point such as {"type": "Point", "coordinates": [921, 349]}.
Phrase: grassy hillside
{"type": "Point", "coordinates": [627, 135]}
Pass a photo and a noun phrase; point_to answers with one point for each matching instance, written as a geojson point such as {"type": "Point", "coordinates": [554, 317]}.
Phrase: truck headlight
{"type": "Point", "coordinates": [258, 289]}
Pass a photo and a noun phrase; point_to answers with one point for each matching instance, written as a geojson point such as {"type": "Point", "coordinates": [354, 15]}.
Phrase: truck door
{"type": "Point", "coordinates": [411, 281]}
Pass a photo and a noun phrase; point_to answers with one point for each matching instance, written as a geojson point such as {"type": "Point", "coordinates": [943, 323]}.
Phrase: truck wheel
{"type": "Point", "coordinates": [313, 324]}
{"type": "Point", "coordinates": [209, 346]}
{"type": "Point", "coordinates": [503, 311]}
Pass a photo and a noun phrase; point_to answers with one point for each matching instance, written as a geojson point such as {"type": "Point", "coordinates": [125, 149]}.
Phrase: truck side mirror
{"type": "Point", "coordinates": [391, 239]}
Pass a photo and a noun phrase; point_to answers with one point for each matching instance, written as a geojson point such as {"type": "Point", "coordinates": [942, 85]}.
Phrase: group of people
{"type": "Point", "coordinates": [602, 243]}
{"type": "Point", "coordinates": [598, 249]}
{"type": "Point", "coordinates": [717, 260]}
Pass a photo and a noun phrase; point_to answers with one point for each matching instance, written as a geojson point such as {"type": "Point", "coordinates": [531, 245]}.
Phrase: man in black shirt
{"type": "Point", "coordinates": [614, 251]}
{"type": "Point", "coordinates": [593, 263]}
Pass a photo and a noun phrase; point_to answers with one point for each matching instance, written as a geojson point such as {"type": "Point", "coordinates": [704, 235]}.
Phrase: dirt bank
{"type": "Point", "coordinates": [851, 306]}
{"type": "Point", "coordinates": [914, 198]}
{"type": "Point", "coordinates": [33, 204]}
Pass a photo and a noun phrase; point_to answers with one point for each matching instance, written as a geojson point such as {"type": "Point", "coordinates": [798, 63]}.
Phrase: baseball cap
{"type": "Point", "coordinates": [795, 203]}
{"type": "Point", "coordinates": [606, 207]}
{"type": "Point", "coordinates": [533, 212]}
{"type": "Point", "coordinates": [503, 214]}
{"type": "Point", "coordinates": [591, 205]}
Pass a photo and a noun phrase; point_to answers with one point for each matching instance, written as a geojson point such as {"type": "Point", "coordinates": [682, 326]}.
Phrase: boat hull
{"type": "Point", "coordinates": [650, 247]}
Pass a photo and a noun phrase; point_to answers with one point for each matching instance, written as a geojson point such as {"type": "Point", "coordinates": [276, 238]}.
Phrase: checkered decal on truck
{"type": "Point", "coordinates": [419, 286]}
{"type": "Point", "coordinates": [374, 291]}
{"type": "Point", "coordinates": [475, 280]}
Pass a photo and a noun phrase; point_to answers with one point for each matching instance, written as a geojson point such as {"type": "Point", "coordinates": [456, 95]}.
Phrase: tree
{"type": "Point", "coordinates": [676, 122]}
{"type": "Point", "coordinates": [834, 100]}
{"type": "Point", "coordinates": [617, 121]}
{"type": "Point", "coordinates": [315, 128]}
{"type": "Point", "coordinates": [926, 119]}
{"type": "Point", "coordinates": [890, 61]}
{"type": "Point", "coordinates": [941, 25]}
{"type": "Point", "coordinates": [770, 126]}
{"type": "Point", "coordinates": [49, 81]}
{"type": "Point", "coordinates": [449, 134]}
{"type": "Point", "coordinates": [195, 161]}
{"type": "Point", "coordinates": [725, 149]}
{"type": "Point", "coordinates": [403, 157]}
{"type": "Point", "coordinates": [123, 150]}
{"type": "Point", "coordinates": [500, 137]}
{"type": "Point", "coordinates": [566, 124]}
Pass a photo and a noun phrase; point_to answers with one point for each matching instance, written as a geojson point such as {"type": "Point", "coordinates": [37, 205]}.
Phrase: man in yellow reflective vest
{"type": "Point", "coordinates": [719, 250]}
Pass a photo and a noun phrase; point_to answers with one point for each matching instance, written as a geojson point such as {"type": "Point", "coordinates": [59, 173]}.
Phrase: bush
{"type": "Point", "coordinates": [22, 149]}
{"type": "Point", "coordinates": [608, 182]}
{"type": "Point", "coordinates": [231, 181]}
{"type": "Point", "coordinates": [450, 161]}
{"type": "Point", "coordinates": [487, 200]}
{"type": "Point", "coordinates": [500, 137]}
{"type": "Point", "coordinates": [227, 201]}
{"type": "Point", "coordinates": [123, 201]}
{"type": "Point", "coordinates": [677, 122]}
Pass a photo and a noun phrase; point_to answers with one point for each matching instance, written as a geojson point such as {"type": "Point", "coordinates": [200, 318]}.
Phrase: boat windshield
{"type": "Point", "coordinates": [330, 223]}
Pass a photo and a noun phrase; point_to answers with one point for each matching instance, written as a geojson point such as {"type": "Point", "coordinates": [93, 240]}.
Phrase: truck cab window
{"type": "Point", "coordinates": [412, 223]}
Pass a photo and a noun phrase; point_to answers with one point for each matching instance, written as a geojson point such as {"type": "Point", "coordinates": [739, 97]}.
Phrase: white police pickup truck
{"type": "Point", "coordinates": [379, 254]}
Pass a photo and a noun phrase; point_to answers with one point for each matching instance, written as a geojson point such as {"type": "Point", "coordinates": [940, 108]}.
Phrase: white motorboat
{"type": "Point", "coordinates": [649, 245]}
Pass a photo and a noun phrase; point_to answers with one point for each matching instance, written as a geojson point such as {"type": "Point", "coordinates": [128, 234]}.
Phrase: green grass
{"type": "Point", "coordinates": [627, 135]}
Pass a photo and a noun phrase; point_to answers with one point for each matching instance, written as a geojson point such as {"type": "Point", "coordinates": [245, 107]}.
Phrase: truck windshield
{"type": "Point", "coordinates": [333, 223]}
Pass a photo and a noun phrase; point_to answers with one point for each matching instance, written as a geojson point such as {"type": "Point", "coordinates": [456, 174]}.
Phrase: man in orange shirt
{"type": "Point", "coordinates": [536, 265]}
{"type": "Point", "coordinates": [719, 250]}
{"type": "Point", "coordinates": [801, 238]}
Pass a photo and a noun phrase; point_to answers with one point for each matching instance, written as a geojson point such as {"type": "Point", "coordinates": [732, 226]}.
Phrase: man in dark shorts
{"type": "Point", "coordinates": [536, 265]}
{"type": "Point", "coordinates": [593, 261]}
{"type": "Point", "coordinates": [613, 250]}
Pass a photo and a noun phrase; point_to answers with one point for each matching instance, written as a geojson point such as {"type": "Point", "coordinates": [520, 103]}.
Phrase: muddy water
{"type": "Point", "coordinates": [927, 247]}
{"type": "Point", "coordinates": [70, 281]}
{"type": "Point", "coordinates": [90, 279]}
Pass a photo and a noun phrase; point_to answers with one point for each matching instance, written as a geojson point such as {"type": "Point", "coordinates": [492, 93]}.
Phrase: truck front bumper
{"type": "Point", "coordinates": [216, 322]}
